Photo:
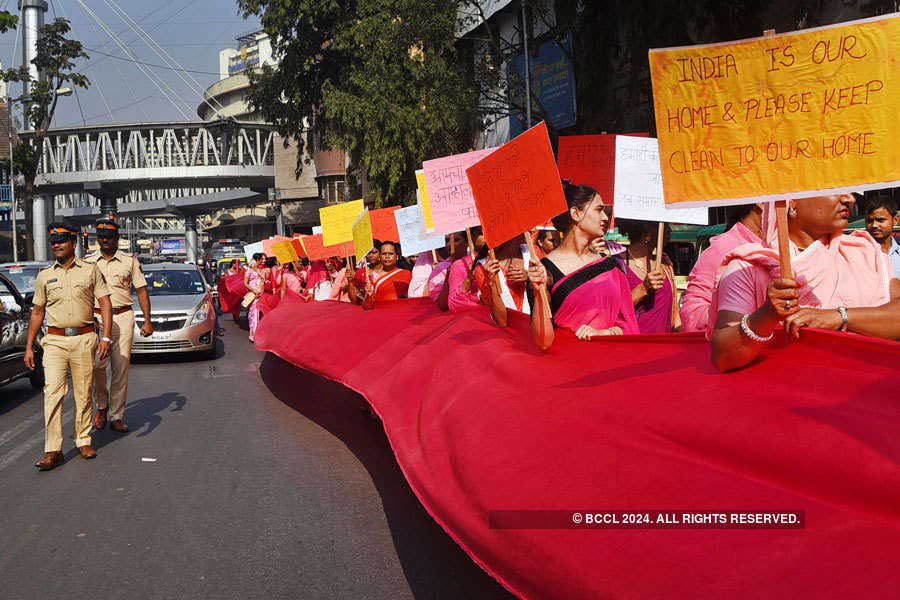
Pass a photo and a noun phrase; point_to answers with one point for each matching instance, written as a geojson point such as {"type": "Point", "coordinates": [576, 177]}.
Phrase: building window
{"type": "Point", "coordinates": [333, 189]}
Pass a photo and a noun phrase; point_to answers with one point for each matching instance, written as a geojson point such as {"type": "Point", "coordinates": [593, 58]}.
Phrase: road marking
{"type": "Point", "coordinates": [16, 452]}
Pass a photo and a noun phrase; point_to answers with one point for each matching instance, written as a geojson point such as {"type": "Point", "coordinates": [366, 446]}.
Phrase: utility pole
{"type": "Point", "coordinates": [32, 20]}
{"type": "Point", "coordinates": [12, 186]}
{"type": "Point", "coordinates": [527, 55]}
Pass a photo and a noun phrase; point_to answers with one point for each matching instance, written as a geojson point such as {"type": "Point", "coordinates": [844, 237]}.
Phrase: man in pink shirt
{"type": "Point", "coordinates": [746, 228]}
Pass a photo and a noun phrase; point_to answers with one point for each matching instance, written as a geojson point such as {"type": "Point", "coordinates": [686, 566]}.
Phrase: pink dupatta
{"type": "Point", "coordinates": [838, 270]}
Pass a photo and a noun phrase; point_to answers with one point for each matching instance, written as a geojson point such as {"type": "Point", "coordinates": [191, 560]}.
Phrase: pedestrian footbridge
{"type": "Point", "coordinates": [115, 161]}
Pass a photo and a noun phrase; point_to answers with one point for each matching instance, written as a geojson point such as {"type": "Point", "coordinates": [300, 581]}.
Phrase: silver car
{"type": "Point", "coordinates": [182, 312]}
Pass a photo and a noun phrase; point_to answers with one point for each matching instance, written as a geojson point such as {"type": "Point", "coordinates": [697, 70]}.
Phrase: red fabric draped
{"type": "Point", "coordinates": [480, 420]}
{"type": "Point", "coordinates": [231, 291]}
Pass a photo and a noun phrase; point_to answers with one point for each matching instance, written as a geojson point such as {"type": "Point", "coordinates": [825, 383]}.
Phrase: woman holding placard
{"type": "Point", "coordinates": [588, 295]}
{"type": "Point", "coordinates": [463, 293]}
{"type": "Point", "coordinates": [653, 292]}
{"type": "Point", "coordinates": [840, 282]}
{"type": "Point", "coordinates": [392, 283]}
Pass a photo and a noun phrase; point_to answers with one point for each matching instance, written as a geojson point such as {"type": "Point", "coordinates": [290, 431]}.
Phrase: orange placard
{"type": "Point", "coordinates": [316, 250]}
{"type": "Point", "coordinates": [517, 187]}
{"type": "Point", "coordinates": [298, 247]}
{"type": "Point", "coordinates": [384, 226]}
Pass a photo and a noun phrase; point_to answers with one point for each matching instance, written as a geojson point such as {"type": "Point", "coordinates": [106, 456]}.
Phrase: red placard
{"type": "Point", "coordinates": [517, 187]}
{"type": "Point", "coordinates": [384, 226]}
{"type": "Point", "coordinates": [298, 247]}
{"type": "Point", "coordinates": [315, 250]}
{"type": "Point", "coordinates": [590, 160]}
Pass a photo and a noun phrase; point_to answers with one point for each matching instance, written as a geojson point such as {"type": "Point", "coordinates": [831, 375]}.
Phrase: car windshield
{"type": "Point", "coordinates": [22, 277]}
{"type": "Point", "coordinates": [174, 282]}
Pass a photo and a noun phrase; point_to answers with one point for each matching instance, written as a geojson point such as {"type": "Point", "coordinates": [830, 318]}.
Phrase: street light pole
{"type": "Point", "coordinates": [12, 187]}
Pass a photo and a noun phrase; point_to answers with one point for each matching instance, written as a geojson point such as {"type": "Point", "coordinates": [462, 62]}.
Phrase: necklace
{"type": "Point", "coordinates": [645, 268]}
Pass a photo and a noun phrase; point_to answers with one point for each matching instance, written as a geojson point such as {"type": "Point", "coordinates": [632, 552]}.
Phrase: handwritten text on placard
{"type": "Point", "coordinates": [639, 189]}
{"type": "Point", "coordinates": [779, 117]}
{"type": "Point", "coordinates": [517, 187]}
{"type": "Point", "coordinates": [452, 204]}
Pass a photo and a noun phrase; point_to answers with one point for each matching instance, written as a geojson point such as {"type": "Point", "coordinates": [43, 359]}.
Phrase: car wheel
{"type": "Point", "coordinates": [210, 354]}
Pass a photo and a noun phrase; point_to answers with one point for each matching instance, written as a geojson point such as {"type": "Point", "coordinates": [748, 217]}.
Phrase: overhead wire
{"type": "Point", "coordinates": [158, 81]}
{"type": "Point", "coordinates": [150, 64]}
{"type": "Point", "coordinates": [163, 54]}
{"type": "Point", "coordinates": [75, 87]}
{"type": "Point", "coordinates": [118, 70]}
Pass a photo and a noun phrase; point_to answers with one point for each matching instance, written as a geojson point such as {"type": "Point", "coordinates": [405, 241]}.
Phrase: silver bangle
{"type": "Point", "coordinates": [745, 327]}
{"type": "Point", "coordinates": [846, 322]}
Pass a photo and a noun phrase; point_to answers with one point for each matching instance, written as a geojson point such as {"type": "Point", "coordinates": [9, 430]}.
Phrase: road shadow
{"type": "Point", "coordinates": [17, 393]}
{"type": "Point", "coordinates": [433, 564]}
{"type": "Point", "coordinates": [142, 417]}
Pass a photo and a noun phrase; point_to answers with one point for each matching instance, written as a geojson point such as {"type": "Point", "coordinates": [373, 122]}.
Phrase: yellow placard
{"type": "Point", "coordinates": [285, 252]}
{"type": "Point", "coordinates": [337, 221]}
{"type": "Point", "coordinates": [779, 117]}
{"type": "Point", "coordinates": [424, 201]}
{"type": "Point", "coordinates": [362, 236]}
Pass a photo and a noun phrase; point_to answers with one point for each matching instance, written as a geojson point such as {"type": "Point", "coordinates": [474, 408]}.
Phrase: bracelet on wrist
{"type": "Point", "coordinates": [745, 328]}
{"type": "Point", "coordinates": [844, 318]}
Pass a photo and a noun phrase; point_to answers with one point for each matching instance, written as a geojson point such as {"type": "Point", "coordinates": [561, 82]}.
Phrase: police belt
{"type": "Point", "coordinates": [116, 311]}
{"type": "Point", "coordinates": [70, 331]}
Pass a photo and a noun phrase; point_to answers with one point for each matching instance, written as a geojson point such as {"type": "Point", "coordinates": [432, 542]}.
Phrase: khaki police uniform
{"type": "Point", "coordinates": [68, 295]}
{"type": "Point", "coordinates": [121, 271]}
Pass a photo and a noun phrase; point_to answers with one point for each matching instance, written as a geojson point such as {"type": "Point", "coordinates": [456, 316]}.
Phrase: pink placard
{"type": "Point", "coordinates": [452, 203]}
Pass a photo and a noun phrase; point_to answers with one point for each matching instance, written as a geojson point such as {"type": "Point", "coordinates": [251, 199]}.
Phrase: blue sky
{"type": "Point", "coordinates": [191, 31]}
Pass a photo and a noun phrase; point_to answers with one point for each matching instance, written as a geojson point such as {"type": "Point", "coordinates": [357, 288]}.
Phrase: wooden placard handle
{"type": "Point", "coordinates": [495, 283]}
{"type": "Point", "coordinates": [781, 220]}
{"type": "Point", "coordinates": [546, 316]}
{"type": "Point", "coordinates": [471, 243]}
{"type": "Point", "coordinates": [660, 236]}
{"type": "Point", "coordinates": [434, 259]}
{"type": "Point", "coordinates": [784, 242]}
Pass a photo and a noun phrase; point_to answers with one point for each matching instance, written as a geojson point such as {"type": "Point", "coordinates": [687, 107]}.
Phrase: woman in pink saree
{"type": "Point", "coordinates": [841, 282]}
{"type": "Point", "coordinates": [255, 280]}
{"type": "Point", "coordinates": [589, 296]}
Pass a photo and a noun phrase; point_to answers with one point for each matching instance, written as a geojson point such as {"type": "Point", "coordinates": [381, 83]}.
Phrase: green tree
{"type": "Point", "coordinates": [380, 79]}
{"type": "Point", "coordinates": [55, 59]}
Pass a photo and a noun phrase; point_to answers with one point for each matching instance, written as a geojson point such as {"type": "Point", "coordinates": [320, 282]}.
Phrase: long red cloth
{"type": "Point", "coordinates": [480, 420]}
{"type": "Point", "coordinates": [231, 291]}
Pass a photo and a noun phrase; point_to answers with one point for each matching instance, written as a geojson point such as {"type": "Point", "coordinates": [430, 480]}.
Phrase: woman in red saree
{"type": "Point", "coordinates": [392, 283]}
{"type": "Point", "coordinates": [590, 296]}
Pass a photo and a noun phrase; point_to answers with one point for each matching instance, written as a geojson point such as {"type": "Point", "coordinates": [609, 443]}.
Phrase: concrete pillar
{"type": "Point", "coordinates": [32, 12]}
{"type": "Point", "coordinates": [40, 223]}
{"type": "Point", "coordinates": [279, 218]}
{"type": "Point", "coordinates": [190, 238]}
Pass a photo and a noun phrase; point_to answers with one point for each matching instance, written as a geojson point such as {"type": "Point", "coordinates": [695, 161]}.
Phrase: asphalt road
{"type": "Point", "coordinates": [247, 495]}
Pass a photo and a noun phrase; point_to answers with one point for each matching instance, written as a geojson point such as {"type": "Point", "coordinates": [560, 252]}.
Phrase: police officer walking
{"type": "Point", "coordinates": [121, 271]}
{"type": "Point", "coordinates": [65, 291]}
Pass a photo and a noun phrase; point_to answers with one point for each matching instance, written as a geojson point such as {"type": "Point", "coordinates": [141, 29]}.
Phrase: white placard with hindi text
{"type": "Point", "coordinates": [638, 185]}
{"type": "Point", "coordinates": [411, 227]}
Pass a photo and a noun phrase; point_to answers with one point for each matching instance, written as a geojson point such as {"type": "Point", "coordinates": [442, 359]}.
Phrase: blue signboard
{"type": "Point", "coordinates": [175, 246]}
{"type": "Point", "coordinates": [552, 84]}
